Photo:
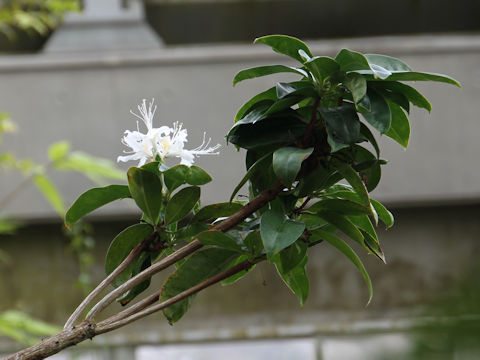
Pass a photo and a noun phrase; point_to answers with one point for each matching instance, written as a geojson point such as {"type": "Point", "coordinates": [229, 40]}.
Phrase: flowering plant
{"type": "Point", "coordinates": [302, 138]}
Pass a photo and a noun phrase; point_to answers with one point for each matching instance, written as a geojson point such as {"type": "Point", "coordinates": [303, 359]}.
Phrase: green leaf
{"type": "Point", "coordinates": [143, 262]}
{"type": "Point", "coordinates": [365, 131]}
{"type": "Point", "coordinates": [354, 180]}
{"type": "Point", "coordinates": [219, 239]}
{"type": "Point", "coordinates": [58, 150]}
{"type": "Point", "coordinates": [343, 224]}
{"type": "Point", "coordinates": [214, 211]}
{"type": "Point", "coordinates": [234, 278]}
{"type": "Point", "coordinates": [373, 246]}
{"type": "Point", "coordinates": [343, 125]}
{"type": "Point", "coordinates": [181, 204]}
{"type": "Point", "coordinates": [384, 215]}
{"type": "Point", "coordinates": [412, 95]}
{"type": "Point", "coordinates": [264, 71]}
{"type": "Point", "coordinates": [387, 62]}
{"type": "Point", "coordinates": [339, 206]}
{"type": "Point", "coordinates": [269, 131]}
{"type": "Point", "coordinates": [121, 246]}
{"type": "Point", "coordinates": [197, 268]}
{"type": "Point", "coordinates": [313, 181]}
{"type": "Point", "coordinates": [175, 176]}
{"type": "Point", "coordinates": [95, 168]}
{"type": "Point", "coordinates": [93, 199]}
{"type": "Point", "coordinates": [197, 176]}
{"type": "Point", "coordinates": [270, 95]}
{"type": "Point", "coordinates": [422, 76]}
{"type": "Point", "coordinates": [349, 253]}
{"type": "Point", "coordinates": [297, 280]}
{"type": "Point", "coordinates": [259, 164]}
{"type": "Point", "coordinates": [379, 116]}
{"type": "Point", "coordinates": [286, 45]}
{"type": "Point", "coordinates": [146, 189]}
{"type": "Point", "coordinates": [50, 192]}
{"type": "Point", "coordinates": [297, 88]}
{"type": "Point", "coordinates": [322, 67]}
{"type": "Point", "coordinates": [352, 60]}
{"type": "Point", "coordinates": [357, 85]}
{"type": "Point", "coordinates": [400, 127]}
{"type": "Point", "coordinates": [363, 222]}
{"type": "Point", "coordinates": [254, 244]}
{"type": "Point", "coordinates": [290, 257]}
{"type": "Point", "coordinates": [188, 232]}
{"type": "Point", "coordinates": [287, 162]}
{"type": "Point", "coordinates": [278, 232]}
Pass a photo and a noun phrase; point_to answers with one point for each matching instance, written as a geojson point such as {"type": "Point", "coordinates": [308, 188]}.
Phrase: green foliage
{"type": "Point", "coordinates": [24, 328]}
{"type": "Point", "coordinates": [315, 138]}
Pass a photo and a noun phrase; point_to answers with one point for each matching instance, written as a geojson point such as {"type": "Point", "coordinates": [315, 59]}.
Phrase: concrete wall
{"type": "Point", "coordinates": [85, 98]}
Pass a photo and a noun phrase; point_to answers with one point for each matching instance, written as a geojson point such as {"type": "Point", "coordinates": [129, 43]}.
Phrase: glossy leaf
{"type": "Point", "coordinates": [372, 245]}
{"type": "Point", "coordinates": [339, 206]}
{"type": "Point", "coordinates": [175, 176]}
{"type": "Point", "coordinates": [278, 232]}
{"type": "Point", "coordinates": [254, 244]}
{"type": "Point", "coordinates": [422, 76]}
{"type": "Point", "coordinates": [269, 95]}
{"type": "Point", "coordinates": [379, 116]}
{"type": "Point", "coordinates": [384, 215]}
{"type": "Point", "coordinates": [364, 224]}
{"type": "Point", "coordinates": [197, 268]}
{"type": "Point", "coordinates": [387, 62]}
{"type": "Point", "coordinates": [296, 88]}
{"type": "Point", "coordinates": [355, 181]}
{"type": "Point", "coordinates": [290, 257]}
{"type": "Point", "coordinates": [297, 280]}
{"type": "Point", "coordinates": [219, 239]}
{"type": "Point", "coordinates": [274, 130]}
{"type": "Point", "coordinates": [259, 164]}
{"type": "Point", "coordinates": [343, 125]}
{"type": "Point", "coordinates": [351, 60]}
{"type": "Point", "coordinates": [343, 224]}
{"type": "Point", "coordinates": [286, 45]}
{"type": "Point", "coordinates": [287, 162]}
{"type": "Point", "coordinates": [197, 176]}
{"type": "Point", "coordinates": [214, 211]}
{"type": "Point", "coordinates": [313, 181]}
{"type": "Point", "coordinates": [121, 246]}
{"type": "Point", "coordinates": [264, 71]}
{"type": "Point", "coordinates": [322, 67]}
{"type": "Point", "coordinates": [146, 189]}
{"type": "Point", "coordinates": [181, 204]}
{"type": "Point", "coordinates": [94, 199]}
{"type": "Point", "coordinates": [400, 127]}
{"type": "Point", "coordinates": [357, 85]}
{"type": "Point", "coordinates": [412, 95]}
{"type": "Point", "coordinates": [340, 245]}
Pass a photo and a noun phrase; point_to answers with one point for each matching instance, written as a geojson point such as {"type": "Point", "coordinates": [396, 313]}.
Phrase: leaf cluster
{"type": "Point", "coordinates": [313, 139]}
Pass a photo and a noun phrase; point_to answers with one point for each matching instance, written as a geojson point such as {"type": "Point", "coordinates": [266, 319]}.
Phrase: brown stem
{"type": "Point", "coordinates": [136, 251]}
{"type": "Point", "coordinates": [113, 323]}
{"type": "Point", "coordinates": [261, 200]}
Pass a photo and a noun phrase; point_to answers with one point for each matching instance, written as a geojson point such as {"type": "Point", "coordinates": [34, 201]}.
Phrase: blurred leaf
{"type": "Point", "coordinates": [8, 226]}
{"type": "Point", "coordinates": [58, 151]}
{"type": "Point", "coordinates": [50, 192]}
{"type": "Point", "coordinates": [93, 199]}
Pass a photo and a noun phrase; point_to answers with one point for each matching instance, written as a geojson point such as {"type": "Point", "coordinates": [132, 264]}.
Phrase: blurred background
{"type": "Point", "coordinates": [71, 72]}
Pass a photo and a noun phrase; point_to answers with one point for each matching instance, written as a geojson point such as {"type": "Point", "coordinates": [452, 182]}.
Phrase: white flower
{"type": "Point", "coordinates": [162, 142]}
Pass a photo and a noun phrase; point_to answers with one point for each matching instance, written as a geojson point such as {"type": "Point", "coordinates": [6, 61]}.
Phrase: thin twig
{"type": "Point", "coordinates": [111, 324]}
{"type": "Point", "coordinates": [136, 251]}
{"type": "Point", "coordinates": [257, 203]}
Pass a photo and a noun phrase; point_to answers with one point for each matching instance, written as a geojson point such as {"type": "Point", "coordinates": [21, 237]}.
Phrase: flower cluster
{"type": "Point", "coordinates": [160, 143]}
